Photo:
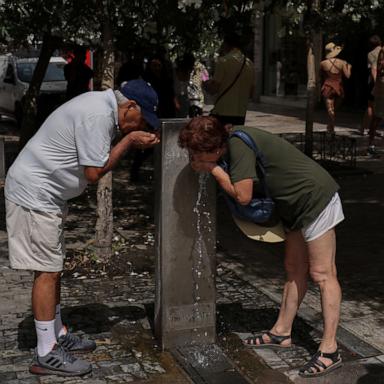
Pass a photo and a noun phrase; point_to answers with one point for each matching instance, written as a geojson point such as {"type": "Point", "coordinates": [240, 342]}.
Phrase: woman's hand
{"type": "Point", "coordinates": [202, 166]}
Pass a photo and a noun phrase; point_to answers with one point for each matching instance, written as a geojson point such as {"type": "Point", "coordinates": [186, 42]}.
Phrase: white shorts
{"type": "Point", "coordinates": [35, 239]}
{"type": "Point", "coordinates": [328, 219]}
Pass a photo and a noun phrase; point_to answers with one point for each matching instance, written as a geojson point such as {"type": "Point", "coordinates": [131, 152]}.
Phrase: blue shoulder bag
{"type": "Point", "coordinates": [261, 210]}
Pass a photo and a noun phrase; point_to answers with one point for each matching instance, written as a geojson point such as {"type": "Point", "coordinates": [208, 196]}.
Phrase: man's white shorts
{"type": "Point", "coordinates": [328, 219]}
{"type": "Point", "coordinates": [35, 239]}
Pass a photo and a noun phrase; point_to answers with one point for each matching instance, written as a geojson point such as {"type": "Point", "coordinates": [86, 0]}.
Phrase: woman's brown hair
{"type": "Point", "coordinates": [203, 134]}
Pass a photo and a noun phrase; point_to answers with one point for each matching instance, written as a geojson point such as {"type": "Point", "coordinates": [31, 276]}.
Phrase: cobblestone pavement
{"type": "Point", "coordinates": [116, 310]}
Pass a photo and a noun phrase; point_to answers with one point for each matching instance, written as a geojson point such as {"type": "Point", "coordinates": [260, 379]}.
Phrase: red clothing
{"type": "Point", "coordinates": [333, 84]}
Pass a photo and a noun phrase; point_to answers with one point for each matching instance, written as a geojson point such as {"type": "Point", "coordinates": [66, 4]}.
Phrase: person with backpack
{"type": "Point", "coordinates": [306, 201]}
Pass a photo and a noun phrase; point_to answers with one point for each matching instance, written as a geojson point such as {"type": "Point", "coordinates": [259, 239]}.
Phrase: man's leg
{"type": "Point", "coordinates": [60, 329]}
{"type": "Point", "coordinates": [372, 133]}
{"type": "Point", "coordinates": [52, 356]}
{"type": "Point", "coordinates": [322, 269]}
{"type": "Point", "coordinates": [296, 266]}
{"type": "Point", "coordinates": [43, 305]}
{"type": "Point", "coordinates": [368, 115]}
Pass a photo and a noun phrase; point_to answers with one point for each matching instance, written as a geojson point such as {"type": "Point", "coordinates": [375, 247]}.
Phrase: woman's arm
{"type": "Point", "coordinates": [347, 69]}
{"type": "Point", "coordinates": [241, 191]}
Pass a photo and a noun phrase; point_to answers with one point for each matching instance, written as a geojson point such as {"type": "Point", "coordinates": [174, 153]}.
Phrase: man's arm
{"type": "Point", "coordinates": [136, 139]}
{"type": "Point", "coordinates": [211, 86]}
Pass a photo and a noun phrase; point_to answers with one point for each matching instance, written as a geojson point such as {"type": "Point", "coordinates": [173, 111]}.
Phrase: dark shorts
{"type": "Point", "coordinates": [370, 96]}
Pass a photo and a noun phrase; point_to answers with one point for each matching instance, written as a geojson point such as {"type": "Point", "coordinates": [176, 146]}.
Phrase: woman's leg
{"type": "Point", "coordinates": [322, 269]}
{"type": "Point", "coordinates": [330, 105]}
{"type": "Point", "coordinates": [296, 267]}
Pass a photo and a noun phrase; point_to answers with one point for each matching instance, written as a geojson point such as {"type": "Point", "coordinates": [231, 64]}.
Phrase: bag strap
{"type": "Point", "coordinates": [244, 136]}
{"type": "Point", "coordinates": [261, 160]}
{"type": "Point", "coordinates": [233, 82]}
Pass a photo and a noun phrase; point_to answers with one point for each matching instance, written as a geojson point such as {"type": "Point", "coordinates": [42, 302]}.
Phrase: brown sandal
{"type": "Point", "coordinates": [257, 341]}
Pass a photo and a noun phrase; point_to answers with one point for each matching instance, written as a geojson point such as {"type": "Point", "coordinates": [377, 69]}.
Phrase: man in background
{"type": "Point", "coordinates": [373, 54]}
{"type": "Point", "coordinates": [77, 73]}
{"type": "Point", "coordinates": [232, 83]}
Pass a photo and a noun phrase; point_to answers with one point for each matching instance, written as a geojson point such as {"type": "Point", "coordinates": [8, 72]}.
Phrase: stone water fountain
{"type": "Point", "coordinates": [185, 304]}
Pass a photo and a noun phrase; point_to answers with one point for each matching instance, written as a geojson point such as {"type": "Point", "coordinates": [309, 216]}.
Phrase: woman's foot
{"type": "Point", "coordinates": [267, 339]}
{"type": "Point", "coordinates": [321, 364]}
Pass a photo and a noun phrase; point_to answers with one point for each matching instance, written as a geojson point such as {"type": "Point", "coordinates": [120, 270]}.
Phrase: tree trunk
{"type": "Point", "coordinates": [311, 100]}
{"type": "Point", "coordinates": [29, 104]}
{"type": "Point", "coordinates": [258, 50]}
{"type": "Point", "coordinates": [312, 39]}
{"type": "Point", "coordinates": [104, 223]}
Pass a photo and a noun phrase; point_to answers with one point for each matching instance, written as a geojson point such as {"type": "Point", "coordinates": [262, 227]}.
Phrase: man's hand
{"type": "Point", "coordinates": [211, 86]}
{"type": "Point", "coordinates": [143, 140]}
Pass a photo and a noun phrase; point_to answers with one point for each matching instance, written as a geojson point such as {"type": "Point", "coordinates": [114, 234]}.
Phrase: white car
{"type": "Point", "coordinates": [15, 76]}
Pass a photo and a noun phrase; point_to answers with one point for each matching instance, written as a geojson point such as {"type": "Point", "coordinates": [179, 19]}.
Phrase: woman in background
{"type": "Point", "coordinates": [333, 70]}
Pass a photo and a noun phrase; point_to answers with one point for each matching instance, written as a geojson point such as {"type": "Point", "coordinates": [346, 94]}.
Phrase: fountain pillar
{"type": "Point", "coordinates": [185, 309]}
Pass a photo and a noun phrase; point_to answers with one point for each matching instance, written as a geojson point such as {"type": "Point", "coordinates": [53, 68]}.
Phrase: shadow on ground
{"type": "Point", "coordinates": [375, 374]}
{"type": "Point", "coordinates": [90, 319]}
{"type": "Point", "coordinates": [235, 318]}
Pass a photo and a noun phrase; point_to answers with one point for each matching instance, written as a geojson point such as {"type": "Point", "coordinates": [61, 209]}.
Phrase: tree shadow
{"type": "Point", "coordinates": [235, 318]}
{"type": "Point", "coordinates": [375, 374]}
{"type": "Point", "coordinates": [91, 319]}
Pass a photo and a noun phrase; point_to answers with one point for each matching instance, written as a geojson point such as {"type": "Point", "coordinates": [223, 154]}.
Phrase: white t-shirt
{"type": "Point", "coordinates": [50, 168]}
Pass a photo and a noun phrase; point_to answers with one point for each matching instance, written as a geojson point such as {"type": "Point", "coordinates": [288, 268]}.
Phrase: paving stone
{"type": "Point", "coordinates": [369, 329]}
{"type": "Point", "coordinates": [7, 375]}
{"type": "Point", "coordinates": [361, 308]}
{"type": "Point", "coordinates": [123, 378]}
{"type": "Point", "coordinates": [152, 367]}
{"type": "Point", "coordinates": [135, 370]}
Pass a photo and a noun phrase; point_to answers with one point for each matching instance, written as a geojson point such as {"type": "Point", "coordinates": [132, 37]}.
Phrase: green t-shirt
{"type": "Point", "coordinates": [234, 102]}
{"type": "Point", "coordinates": [300, 187]}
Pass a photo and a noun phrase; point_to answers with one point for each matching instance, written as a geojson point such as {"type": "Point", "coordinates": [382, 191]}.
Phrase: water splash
{"type": "Point", "coordinates": [203, 356]}
{"type": "Point", "coordinates": [199, 247]}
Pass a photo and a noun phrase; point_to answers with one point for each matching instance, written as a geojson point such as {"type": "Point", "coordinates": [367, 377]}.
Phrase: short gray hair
{"type": "Point", "coordinates": [120, 98]}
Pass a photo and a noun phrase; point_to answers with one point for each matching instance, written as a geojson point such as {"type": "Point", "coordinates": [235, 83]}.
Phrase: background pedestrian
{"type": "Point", "coordinates": [77, 73]}
{"type": "Point", "coordinates": [232, 82]}
{"type": "Point", "coordinates": [333, 70]}
{"type": "Point", "coordinates": [373, 54]}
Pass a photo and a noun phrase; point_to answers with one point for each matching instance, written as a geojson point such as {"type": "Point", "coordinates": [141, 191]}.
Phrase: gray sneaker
{"type": "Point", "coordinates": [73, 343]}
{"type": "Point", "coordinates": [59, 362]}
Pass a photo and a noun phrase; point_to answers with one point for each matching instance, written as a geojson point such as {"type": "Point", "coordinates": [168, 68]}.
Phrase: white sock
{"type": "Point", "coordinates": [46, 338]}
{"type": "Point", "coordinates": [60, 329]}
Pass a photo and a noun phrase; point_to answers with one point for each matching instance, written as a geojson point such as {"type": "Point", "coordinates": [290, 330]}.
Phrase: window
{"type": "Point", "coordinates": [55, 72]}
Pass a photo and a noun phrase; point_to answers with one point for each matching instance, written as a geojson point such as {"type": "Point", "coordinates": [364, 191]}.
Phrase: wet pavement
{"type": "Point", "coordinates": [113, 304]}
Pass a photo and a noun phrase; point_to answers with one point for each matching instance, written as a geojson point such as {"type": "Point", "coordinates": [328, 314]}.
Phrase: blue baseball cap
{"type": "Point", "coordinates": [145, 96]}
